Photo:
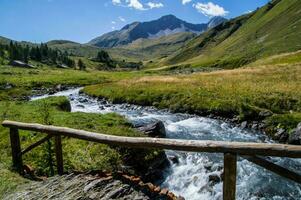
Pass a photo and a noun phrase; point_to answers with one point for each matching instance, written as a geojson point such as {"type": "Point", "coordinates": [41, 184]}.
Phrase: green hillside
{"type": "Point", "coordinates": [148, 49]}
{"type": "Point", "coordinates": [275, 28]}
{"type": "Point", "coordinates": [74, 48]}
{"type": "Point", "coordinates": [139, 50]}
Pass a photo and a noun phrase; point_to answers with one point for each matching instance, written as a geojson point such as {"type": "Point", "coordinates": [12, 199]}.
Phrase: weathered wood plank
{"type": "Point", "coordinates": [36, 144]}
{"type": "Point", "coordinates": [59, 155]}
{"type": "Point", "coordinates": [281, 171]}
{"type": "Point", "coordinates": [242, 148]}
{"type": "Point", "coordinates": [16, 150]}
{"type": "Point", "coordinates": [229, 185]}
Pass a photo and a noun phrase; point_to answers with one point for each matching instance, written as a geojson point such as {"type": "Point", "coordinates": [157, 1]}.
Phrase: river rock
{"type": "Point", "coordinates": [244, 125]}
{"type": "Point", "coordinates": [284, 137]}
{"type": "Point", "coordinates": [279, 133]}
{"type": "Point", "coordinates": [174, 159]}
{"type": "Point", "coordinates": [214, 179]}
{"type": "Point", "coordinates": [295, 136]}
{"type": "Point", "coordinates": [265, 113]}
{"type": "Point", "coordinates": [156, 129]}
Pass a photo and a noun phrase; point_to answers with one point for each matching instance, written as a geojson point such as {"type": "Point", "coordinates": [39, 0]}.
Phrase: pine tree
{"type": "Point", "coordinates": [81, 65]}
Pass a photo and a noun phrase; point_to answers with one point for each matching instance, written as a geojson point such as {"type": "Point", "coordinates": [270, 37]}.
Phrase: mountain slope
{"type": "Point", "coordinates": [148, 49]}
{"type": "Point", "coordinates": [164, 26]}
{"type": "Point", "coordinates": [275, 28]}
{"type": "Point", "coordinates": [4, 40]}
{"type": "Point", "coordinates": [74, 48]}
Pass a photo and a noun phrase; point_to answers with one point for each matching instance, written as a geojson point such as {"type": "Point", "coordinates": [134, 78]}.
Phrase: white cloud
{"type": "Point", "coordinates": [116, 2]}
{"type": "Point", "coordinates": [113, 27]}
{"type": "Point", "coordinates": [113, 22]}
{"type": "Point", "coordinates": [186, 1]}
{"type": "Point", "coordinates": [121, 19]}
{"type": "Point", "coordinates": [152, 5]}
{"type": "Point", "coordinates": [210, 9]}
{"type": "Point", "coordinates": [135, 4]}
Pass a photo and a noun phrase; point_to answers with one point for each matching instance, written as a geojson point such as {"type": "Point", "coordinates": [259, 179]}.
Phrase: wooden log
{"type": "Point", "coordinates": [59, 155]}
{"type": "Point", "coordinates": [229, 185]}
{"type": "Point", "coordinates": [36, 144]}
{"type": "Point", "coordinates": [281, 171]}
{"type": "Point", "coordinates": [242, 148]}
{"type": "Point", "coordinates": [16, 150]}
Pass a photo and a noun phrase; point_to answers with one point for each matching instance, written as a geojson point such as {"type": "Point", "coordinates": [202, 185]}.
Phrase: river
{"type": "Point", "coordinates": [189, 177]}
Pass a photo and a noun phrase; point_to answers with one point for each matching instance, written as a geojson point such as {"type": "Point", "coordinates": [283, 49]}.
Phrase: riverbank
{"type": "Point", "coordinates": [78, 155]}
{"type": "Point", "coordinates": [266, 96]}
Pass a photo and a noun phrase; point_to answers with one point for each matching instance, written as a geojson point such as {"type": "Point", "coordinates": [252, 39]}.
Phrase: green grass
{"type": "Point", "coordinates": [24, 80]}
{"type": "Point", "coordinates": [282, 59]}
{"type": "Point", "coordinates": [78, 155]}
{"type": "Point", "coordinates": [274, 88]}
{"type": "Point", "coordinates": [270, 30]}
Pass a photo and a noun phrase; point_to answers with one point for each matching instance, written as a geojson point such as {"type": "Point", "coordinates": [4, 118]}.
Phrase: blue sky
{"type": "Point", "coordinates": [82, 20]}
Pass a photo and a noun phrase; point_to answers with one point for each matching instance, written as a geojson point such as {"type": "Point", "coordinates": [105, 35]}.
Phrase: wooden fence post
{"type": "Point", "coordinates": [59, 155]}
{"type": "Point", "coordinates": [229, 186]}
{"type": "Point", "coordinates": [16, 150]}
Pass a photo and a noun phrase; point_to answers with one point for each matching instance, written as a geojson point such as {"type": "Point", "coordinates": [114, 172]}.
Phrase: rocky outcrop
{"type": "Point", "coordinates": [156, 129]}
{"type": "Point", "coordinates": [295, 136]}
{"type": "Point", "coordinates": [99, 185]}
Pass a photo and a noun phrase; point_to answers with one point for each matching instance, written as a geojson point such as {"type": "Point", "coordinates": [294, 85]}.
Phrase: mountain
{"type": "Point", "coordinates": [149, 49]}
{"type": "Point", "coordinates": [272, 29]}
{"type": "Point", "coordinates": [215, 21]}
{"type": "Point", "coordinates": [164, 26]}
{"type": "Point", "coordinates": [4, 40]}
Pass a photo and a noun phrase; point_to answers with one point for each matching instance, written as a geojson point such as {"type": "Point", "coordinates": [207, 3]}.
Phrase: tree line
{"type": "Point", "coordinates": [41, 53]}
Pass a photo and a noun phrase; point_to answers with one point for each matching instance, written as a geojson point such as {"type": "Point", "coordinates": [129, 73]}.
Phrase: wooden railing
{"type": "Point", "coordinates": [249, 151]}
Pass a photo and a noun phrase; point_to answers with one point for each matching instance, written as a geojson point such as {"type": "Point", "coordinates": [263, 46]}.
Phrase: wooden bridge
{"type": "Point", "coordinates": [250, 151]}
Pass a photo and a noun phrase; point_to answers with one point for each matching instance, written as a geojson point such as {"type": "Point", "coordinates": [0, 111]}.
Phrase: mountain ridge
{"type": "Point", "coordinates": [164, 26]}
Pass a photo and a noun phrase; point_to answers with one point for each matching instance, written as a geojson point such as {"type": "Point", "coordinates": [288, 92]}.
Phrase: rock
{"type": "Point", "coordinates": [214, 179]}
{"type": "Point", "coordinates": [156, 129]}
{"type": "Point", "coordinates": [284, 137]}
{"type": "Point", "coordinates": [83, 100]}
{"type": "Point", "coordinates": [174, 159]}
{"type": "Point", "coordinates": [295, 136]}
{"type": "Point", "coordinates": [58, 88]}
{"type": "Point", "coordinates": [261, 126]}
{"type": "Point", "coordinates": [265, 113]}
{"type": "Point", "coordinates": [18, 63]}
{"type": "Point", "coordinates": [244, 125]}
{"type": "Point", "coordinates": [255, 126]}
{"type": "Point", "coordinates": [8, 86]}
{"type": "Point", "coordinates": [279, 133]}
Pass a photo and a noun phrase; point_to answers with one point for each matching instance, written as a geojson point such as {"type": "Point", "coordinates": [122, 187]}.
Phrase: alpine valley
{"type": "Point", "coordinates": [220, 82]}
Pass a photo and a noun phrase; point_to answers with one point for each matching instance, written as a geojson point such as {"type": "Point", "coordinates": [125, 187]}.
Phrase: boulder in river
{"type": "Point", "coordinates": [295, 136]}
{"type": "Point", "coordinates": [244, 125]}
{"type": "Point", "coordinates": [156, 129]}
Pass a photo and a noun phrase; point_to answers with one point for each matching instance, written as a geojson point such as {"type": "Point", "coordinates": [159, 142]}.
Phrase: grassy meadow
{"type": "Point", "coordinates": [245, 92]}
{"type": "Point", "coordinates": [23, 81]}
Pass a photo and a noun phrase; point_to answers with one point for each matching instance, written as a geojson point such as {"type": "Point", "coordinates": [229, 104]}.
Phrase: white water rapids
{"type": "Point", "coordinates": [189, 177]}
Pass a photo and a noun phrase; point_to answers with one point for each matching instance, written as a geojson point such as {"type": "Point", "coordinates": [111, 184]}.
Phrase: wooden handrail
{"type": "Point", "coordinates": [242, 148]}
{"type": "Point", "coordinates": [231, 150]}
